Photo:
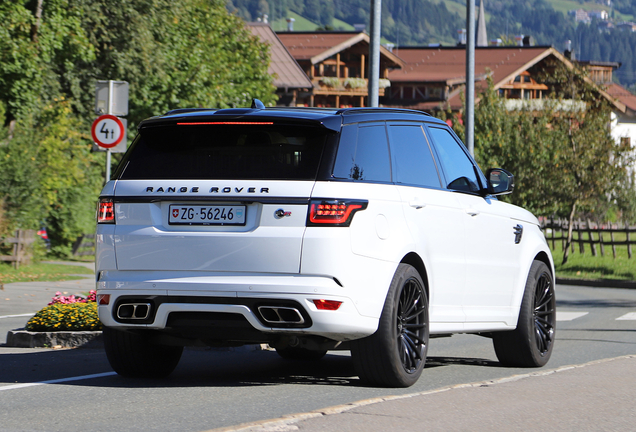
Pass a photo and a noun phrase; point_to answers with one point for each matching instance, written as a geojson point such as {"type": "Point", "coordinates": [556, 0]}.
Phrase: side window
{"type": "Point", "coordinates": [363, 154]}
{"type": "Point", "coordinates": [413, 161]}
{"type": "Point", "coordinates": [457, 166]}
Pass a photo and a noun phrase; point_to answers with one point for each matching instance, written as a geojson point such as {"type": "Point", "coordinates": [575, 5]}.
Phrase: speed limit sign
{"type": "Point", "coordinates": [108, 131]}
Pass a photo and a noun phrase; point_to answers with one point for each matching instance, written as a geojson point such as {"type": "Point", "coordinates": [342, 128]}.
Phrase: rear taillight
{"type": "Point", "coordinates": [106, 211]}
{"type": "Point", "coordinates": [333, 212]}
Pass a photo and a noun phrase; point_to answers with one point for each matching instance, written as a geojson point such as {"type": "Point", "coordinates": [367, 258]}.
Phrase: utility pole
{"type": "Point", "coordinates": [374, 53]}
{"type": "Point", "coordinates": [470, 76]}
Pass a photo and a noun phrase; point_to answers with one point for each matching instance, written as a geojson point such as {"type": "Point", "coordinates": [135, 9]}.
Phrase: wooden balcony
{"type": "Point", "coordinates": [345, 86]}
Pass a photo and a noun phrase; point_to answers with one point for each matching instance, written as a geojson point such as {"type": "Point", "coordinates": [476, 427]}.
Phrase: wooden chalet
{"type": "Point", "coordinates": [434, 77]}
{"type": "Point", "coordinates": [336, 64]}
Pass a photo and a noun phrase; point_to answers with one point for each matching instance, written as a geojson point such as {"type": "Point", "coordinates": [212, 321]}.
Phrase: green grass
{"type": "Point", "coordinates": [303, 24]}
{"type": "Point", "coordinates": [586, 266]}
{"type": "Point", "coordinates": [40, 273]}
{"type": "Point", "coordinates": [568, 5]}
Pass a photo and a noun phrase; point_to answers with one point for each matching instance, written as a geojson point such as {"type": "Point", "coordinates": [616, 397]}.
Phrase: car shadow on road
{"type": "Point", "coordinates": [197, 368]}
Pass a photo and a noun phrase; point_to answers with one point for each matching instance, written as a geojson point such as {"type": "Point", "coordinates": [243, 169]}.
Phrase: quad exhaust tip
{"type": "Point", "coordinates": [135, 311]}
{"type": "Point", "coordinates": [281, 315]}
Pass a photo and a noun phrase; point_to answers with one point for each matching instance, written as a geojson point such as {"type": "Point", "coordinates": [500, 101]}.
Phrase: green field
{"type": "Point", "coordinates": [41, 273]}
{"type": "Point", "coordinates": [586, 266]}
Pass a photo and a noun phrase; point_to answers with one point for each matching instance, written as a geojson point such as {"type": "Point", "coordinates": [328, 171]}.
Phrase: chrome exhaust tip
{"type": "Point", "coordinates": [135, 311]}
{"type": "Point", "coordinates": [281, 315]}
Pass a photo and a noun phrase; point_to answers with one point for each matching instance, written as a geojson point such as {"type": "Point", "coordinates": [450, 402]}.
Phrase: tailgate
{"type": "Point", "coordinates": [229, 226]}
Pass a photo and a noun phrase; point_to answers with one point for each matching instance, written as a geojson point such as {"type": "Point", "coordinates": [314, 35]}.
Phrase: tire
{"type": "Point", "coordinates": [131, 355]}
{"type": "Point", "coordinates": [395, 354]}
{"type": "Point", "coordinates": [299, 353]}
{"type": "Point", "coordinates": [531, 344]}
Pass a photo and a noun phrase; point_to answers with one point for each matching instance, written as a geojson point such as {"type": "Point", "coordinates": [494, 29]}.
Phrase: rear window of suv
{"type": "Point", "coordinates": [214, 152]}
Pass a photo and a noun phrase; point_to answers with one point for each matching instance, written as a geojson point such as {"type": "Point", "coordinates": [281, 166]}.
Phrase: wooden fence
{"type": "Point", "coordinates": [20, 251]}
{"type": "Point", "coordinates": [597, 236]}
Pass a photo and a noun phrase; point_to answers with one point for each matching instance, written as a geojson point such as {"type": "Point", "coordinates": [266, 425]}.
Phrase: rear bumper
{"type": "Point", "coordinates": [223, 305]}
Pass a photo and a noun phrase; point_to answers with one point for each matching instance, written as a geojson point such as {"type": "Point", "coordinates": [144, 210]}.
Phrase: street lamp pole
{"type": "Point", "coordinates": [374, 53]}
{"type": "Point", "coordinates": [470, 76]}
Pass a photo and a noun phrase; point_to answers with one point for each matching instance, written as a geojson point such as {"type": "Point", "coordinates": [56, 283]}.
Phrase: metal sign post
{"type": "Point", "coordinates": [111, 100]}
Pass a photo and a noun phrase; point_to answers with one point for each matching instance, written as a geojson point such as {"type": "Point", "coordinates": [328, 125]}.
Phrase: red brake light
{"type": "Point", "coordinates": [333, 212]}
{"type": "Point", "coordinates": [106, 211]}
{"type": "Point", "coordinates": [224, 123]}
{"type": "Point", "coordinates": [103, 299]}
{"type": "Point", "coordinates": [331, 305]}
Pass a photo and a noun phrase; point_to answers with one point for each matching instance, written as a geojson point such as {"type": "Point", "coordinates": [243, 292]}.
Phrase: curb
{"type": "Point", "coordinates": [61, 339]}
{"type": "Point", "coordinates": [598, 283]}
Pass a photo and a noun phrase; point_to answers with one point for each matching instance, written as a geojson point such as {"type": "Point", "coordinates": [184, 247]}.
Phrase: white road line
{"type": "Point", "coordinates": [569, 316]}
{"type": "Point", "coordinates": [57, 381]}
{"type": "Point", "coordinates": [17, 316]}
{"type": "Point", "coordinates": [629, 316]}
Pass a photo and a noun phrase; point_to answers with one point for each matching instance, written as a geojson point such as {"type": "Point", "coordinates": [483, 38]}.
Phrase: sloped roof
{"type": "Point", "coordinates": [286, 71]}
{"type": "Point", "coordinates": [447, 65]}
{"type": "Point", "coordinates": [622, 95]}
{"type": "Point", "coordinates": [319, 46]}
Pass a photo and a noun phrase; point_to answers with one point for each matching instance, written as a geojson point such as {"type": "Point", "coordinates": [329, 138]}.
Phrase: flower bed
{"type": "Point", "coordinates": [73, 313]}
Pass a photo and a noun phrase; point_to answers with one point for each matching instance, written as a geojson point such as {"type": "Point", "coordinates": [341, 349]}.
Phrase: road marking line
{"type": "Point", "coordinates": [16, 316]}
{"type": "Point", "coordinates": [569, 316]}
{"type": "Point", "coordinates": [57, 381]}
{"type": "Point", "coordinates": [628, 316]}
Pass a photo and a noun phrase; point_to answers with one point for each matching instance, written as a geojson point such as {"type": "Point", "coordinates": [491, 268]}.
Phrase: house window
{"type": "Point", "coordinates": [434, 92]}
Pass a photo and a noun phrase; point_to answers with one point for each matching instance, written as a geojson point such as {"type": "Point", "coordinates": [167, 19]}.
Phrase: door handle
{"type": "Point", "coordinates": [472, 212]}
{"type": "Point", "coordinates": [417, 204]}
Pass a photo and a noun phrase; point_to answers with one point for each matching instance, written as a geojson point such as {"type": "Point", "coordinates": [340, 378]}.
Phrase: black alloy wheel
{"type": "Point", "coordinates": [411, 326]}
{"type": "Point", "coordinates": [394, 356]}
{"type": "Point", "coordinates": [544, 313]}
{"type": "Point", "coordinates": [532, 342]}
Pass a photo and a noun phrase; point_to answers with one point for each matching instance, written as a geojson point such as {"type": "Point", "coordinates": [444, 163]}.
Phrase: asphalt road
{"type": "Point", "coordinates": [73, 390]}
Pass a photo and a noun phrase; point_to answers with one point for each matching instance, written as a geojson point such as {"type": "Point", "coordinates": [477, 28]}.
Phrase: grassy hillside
{"type": "Point", "coordinates": [303, 24]}
{"type": "Point", "coordinates": [563, 6]}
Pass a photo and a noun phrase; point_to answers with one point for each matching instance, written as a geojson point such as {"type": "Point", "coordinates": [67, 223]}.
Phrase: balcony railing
{"type": "Point", "coordinates": [346, 86]}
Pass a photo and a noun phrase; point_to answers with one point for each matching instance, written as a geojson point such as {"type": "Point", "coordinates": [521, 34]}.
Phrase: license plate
{"type": "Point", "coordinates": [207, 215]}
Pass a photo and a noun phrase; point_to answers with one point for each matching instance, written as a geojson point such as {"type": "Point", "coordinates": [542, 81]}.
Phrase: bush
{"type": "Point", "coordinates": [66, 317]}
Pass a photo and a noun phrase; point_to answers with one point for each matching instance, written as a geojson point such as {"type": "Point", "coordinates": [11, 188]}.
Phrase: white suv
{"type": "Point", "coordinates": [310, 230]}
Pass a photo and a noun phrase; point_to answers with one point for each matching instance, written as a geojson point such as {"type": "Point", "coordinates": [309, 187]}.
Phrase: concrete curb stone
{"type": "Point", "coordinates": [62, 339]}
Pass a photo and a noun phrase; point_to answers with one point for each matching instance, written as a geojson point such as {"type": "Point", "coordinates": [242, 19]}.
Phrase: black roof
{"type": "Point", "coordinates": [331, 118]}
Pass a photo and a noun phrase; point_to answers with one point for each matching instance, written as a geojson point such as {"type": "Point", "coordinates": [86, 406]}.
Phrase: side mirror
{"type": "Point", "coordinates": [500, 181]}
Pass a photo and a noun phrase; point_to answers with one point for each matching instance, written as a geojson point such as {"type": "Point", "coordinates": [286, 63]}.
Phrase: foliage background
{"type": "Point", "coordinates": [190, 53]}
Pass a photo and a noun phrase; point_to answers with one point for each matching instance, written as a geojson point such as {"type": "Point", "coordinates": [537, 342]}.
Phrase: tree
{"type": "Point", "coordinates": [191, 53]}
{"type": "Point", "coordinates": [48, 175]}
{"type": "Point", "coordinates": [563, 156]}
